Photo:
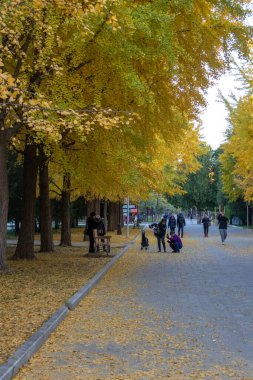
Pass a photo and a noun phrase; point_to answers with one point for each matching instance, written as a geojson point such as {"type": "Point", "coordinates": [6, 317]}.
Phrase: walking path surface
{"type": "Point", "coordinates": [161, 315]}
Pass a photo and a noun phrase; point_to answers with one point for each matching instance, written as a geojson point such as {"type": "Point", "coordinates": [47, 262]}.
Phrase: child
{"type": "Point", "coordinates": [144, 240]}
{"type": "Point", "coordinates": [175, 242]}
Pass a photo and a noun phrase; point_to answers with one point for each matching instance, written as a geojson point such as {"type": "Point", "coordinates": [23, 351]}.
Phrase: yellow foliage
{"type": "Point", "coordinates": [116, 82]}
{"type": "Point", "coordinates": [237, 158]}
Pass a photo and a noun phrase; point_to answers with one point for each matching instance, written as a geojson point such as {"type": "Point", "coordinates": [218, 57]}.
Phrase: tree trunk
{"type": "Point", "coordinates": [25, 246]}
{"type": "Point", "coordinates": [110, 216]}
{"type": "Point", "coordinates": [93, 206]}
{"type": "Point", "coordinates": [116, 215]}
{"type": "Point", "coordinates": [65, 226]}
{"type": "Point", "coordinates": [46, 235]}
{"type": "Point", "coordinates": [105, 216]}
{"type": "Point", "coordinates": [4, 200]}
{"type": "Point", "coordinates": [113, 219]}
{"type": "Point", "coordinates": [121, 214]}
{"type": "Point", "coordinates": [89, 208]}
{"type": "Point", "coordinates": [17, 226]}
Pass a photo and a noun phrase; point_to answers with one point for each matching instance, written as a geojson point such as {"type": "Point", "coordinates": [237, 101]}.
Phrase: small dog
{"type": "Point", "coordinates": [144, 240]}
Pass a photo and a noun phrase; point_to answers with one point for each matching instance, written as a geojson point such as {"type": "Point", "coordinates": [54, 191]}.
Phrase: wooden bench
{"type": "Point", "coordinates": [103, 242]}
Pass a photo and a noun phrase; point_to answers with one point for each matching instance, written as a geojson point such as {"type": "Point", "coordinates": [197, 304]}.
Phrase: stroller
{"type": "Point", "coordinates": [144, 240]}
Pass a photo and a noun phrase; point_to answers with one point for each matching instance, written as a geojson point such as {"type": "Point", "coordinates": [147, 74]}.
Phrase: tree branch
{"type": "Point", "coordinates": [57, 187]}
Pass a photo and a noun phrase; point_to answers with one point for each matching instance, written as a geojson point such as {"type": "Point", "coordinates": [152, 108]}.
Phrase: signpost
{"type": "Point", "coordinates": [127, 229]}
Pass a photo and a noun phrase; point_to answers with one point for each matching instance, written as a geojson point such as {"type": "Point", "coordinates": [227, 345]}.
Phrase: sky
{"type": "Point", "coordinates": [214, 116]}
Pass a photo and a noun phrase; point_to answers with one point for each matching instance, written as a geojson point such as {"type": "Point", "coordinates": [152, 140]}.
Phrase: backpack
{"type": "Point", "coordinates": [180, 219]}
{"type": "Point", "coordinates": [156, 231]}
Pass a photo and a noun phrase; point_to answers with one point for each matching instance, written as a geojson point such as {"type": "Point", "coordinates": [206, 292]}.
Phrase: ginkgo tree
{"type": "Point", "coordinates": [237, 162]}
{"type": "Point", "coordinates": [30, 35]}
{"type": "Point", "coordinates": [153, 59]}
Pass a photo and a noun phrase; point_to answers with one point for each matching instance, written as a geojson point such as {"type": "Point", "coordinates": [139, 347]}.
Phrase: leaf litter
{"type": "Point", "coordinates": [33, 290]}
{"type": "Point", "coordinates": [111, 336]}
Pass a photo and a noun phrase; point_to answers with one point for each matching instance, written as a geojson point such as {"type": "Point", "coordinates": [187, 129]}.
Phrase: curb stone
{"type": "Point", "coordinates": [73, 301]}
{"type": "Point", "coordinates": [27, 349]}
{"type": "Point", "coordinates": [32, 344]}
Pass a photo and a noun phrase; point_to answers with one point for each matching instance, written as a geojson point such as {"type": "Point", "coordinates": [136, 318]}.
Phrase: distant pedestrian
{"type": "Point", "coordinates": [91, 228]}
{"type": "Point", "coordinates": [180, 224]}
{"type": "Point", "coordinates": [175, 242]}
{"type": "Point", "coordinates": [172, 223]}
{"type": "Point", "coordinates": [161, 233]}
{"type": "Point", "coordinates": [223, 225]}
{"type": "Point", "coordinates": [206, 224]}
{"type": "Point", "coordinates": [166, 216]}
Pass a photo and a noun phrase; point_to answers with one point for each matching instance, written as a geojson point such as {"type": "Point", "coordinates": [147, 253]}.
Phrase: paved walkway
{"type": "Point", "coordinates": [160, 316]}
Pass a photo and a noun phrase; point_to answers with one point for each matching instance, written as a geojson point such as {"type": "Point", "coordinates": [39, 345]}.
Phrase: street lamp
{"type": "Point", "coordinates": [127, 227]}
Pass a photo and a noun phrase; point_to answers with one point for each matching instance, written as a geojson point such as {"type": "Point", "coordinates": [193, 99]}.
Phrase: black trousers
{"type": "Point", "coordinates": [174, 246]}
{"type": "Point", "coordinates": [159, 240]}
{"type": "Point", "coordinates": [206, 228]}
{"type": "Point", "coordinates": [181, 229]}
{"type": "Point", "coordinates": [92, 243]}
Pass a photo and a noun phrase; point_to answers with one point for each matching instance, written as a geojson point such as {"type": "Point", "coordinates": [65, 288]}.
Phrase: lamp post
{"type": "Point", "coordinates": [127, 227]}
{"type": "Point", "coordinates": [247, 204]}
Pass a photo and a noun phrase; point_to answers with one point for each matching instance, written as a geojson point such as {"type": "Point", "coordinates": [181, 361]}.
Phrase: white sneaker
{"type": "Point", "coordinates": [223, 243]}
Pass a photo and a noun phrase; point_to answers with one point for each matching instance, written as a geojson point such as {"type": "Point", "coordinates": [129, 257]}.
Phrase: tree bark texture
{"type": "Point", "coordinates": [25, 246]}
{"type": "Point", "coordinates": [4, 200]}
{"type": "Point", "coordinates": [121, 214]}
{"type": "Point", "coordinates": [93, 205]}
{"type": "Point", "coordinates": [46, 234]}
{"type": "Point", "coordinates": [113, 217]}
{"type": "Point", "coordinates": [65, 226]}
{"type": "Point", "coordinates": [17, 226]}
{"type": "Point", "coordinates": [105, 216]}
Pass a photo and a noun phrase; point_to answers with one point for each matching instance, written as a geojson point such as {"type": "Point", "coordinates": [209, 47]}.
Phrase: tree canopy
{"type": "Point", "coordinates": [237, 162]}
{"type": "Point", "coordinates": [201, 188]}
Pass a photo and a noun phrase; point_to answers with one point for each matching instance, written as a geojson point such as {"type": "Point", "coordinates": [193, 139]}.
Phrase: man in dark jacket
{"type": "Point", "coordinates": [206, 223]}
{"type": "Point", "coordinates": [172, 223]}
{"type": "Point", "coordinates": [180, 224]}
{"type": "Point", "coordinates": [223, 225]}
{"type": "Point", "coordinates": [91, 225]}
{"type": "Point", "coordinates": [161, 234]}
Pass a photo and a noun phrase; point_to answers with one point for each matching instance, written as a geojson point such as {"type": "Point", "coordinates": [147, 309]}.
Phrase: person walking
{"type": "Point", "coordinates": [161, 232]}
{"type": "Point", "coordinates": [172, 223]}
{"type": "Point", "coordinates": [167, 216]}
{"type": "Point", "coordinates": [223, 225]}
{"type": "Point", "coordinates": [206, 224]}
{"type": "Point", "coordinates": [175, 242]}
{"type": "Point", "coordinates": [91, 228]}
{"type": "Point", "coordinates": [180, 224]}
